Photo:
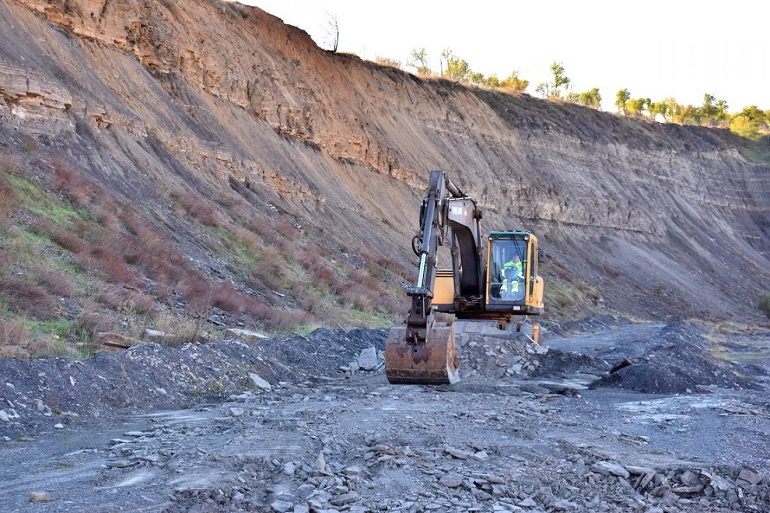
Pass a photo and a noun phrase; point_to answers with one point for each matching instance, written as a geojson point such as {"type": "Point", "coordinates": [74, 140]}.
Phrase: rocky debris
{"type": "Point", "coordinates": [152, 376]}
{"type": "Point", "coordinates": [364, 457]}
{"type": "Point", "coordinates": [677, 362]}
{"type": "Point", "coordinates": [321, 437]}
{"type": "Point", "coordinates": [488, 353]}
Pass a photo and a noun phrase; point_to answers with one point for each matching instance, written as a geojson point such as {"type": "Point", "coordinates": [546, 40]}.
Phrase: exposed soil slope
{"type": "Point", "coordinates": [227, 102]}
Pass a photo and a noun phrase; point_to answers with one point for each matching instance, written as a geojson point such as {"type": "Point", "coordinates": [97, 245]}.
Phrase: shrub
{"type": "Point", "coordinates": [200, 208]}
{"type": "Point", "coordinates": [73, 187]}
{"type": "Point", "coordinates": [55, 282]}
{"type": "Point", "coordinates": [7, 198]}
{"type": "Point", "coordinates": [13, 332]}
{"type": "Point", "coordinates": [29, 144]}
{"type": "Point", "coordinates": [25, 297]}
{"type": "Point", "coordinates": [110, 262]}
{"type": "Point", "coordinates": [126, 300]}
{"type": "Point", "coordinates": [764, 303]}
{"type": "Point", "coordinates": [286, 229]}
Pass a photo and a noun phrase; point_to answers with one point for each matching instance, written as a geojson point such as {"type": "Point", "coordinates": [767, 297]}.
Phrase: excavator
{"type": "Point", "coordinates": [494, 286]}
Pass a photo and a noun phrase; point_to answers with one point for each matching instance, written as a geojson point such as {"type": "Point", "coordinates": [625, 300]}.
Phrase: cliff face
{"type": "Point", "coordinates": [150, 96]}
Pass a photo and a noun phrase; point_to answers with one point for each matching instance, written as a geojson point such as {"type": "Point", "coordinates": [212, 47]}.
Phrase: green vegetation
{"type": "Point", "coordinates": [751, 123]}
{"type": "Point", "coordinates": [764, 303]}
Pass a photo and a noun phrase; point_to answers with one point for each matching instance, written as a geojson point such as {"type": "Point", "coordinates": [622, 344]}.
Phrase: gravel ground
{"type": "Point", "coordinates": [310, 424]}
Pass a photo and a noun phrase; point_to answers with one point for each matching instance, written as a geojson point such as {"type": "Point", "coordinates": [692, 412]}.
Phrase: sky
{"type": "Point", "coordinates": [656, 48]}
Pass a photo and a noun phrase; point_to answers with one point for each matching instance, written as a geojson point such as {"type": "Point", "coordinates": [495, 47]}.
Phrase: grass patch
{"type": "Point", "coordinates": [58, 327]}
{"type": "Point", "coordinates": [35, 199]}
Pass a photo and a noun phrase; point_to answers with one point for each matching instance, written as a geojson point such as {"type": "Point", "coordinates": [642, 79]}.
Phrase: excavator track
{"type": "Point", "coordinates": [433, 362]}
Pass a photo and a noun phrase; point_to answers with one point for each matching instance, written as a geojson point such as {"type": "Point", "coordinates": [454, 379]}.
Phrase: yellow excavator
{"type": "Point", "coordinates": [496, 287]}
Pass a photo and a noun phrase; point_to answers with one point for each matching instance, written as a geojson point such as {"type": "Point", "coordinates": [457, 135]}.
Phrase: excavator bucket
{"type": "Point", "coordinates": [433, 362]}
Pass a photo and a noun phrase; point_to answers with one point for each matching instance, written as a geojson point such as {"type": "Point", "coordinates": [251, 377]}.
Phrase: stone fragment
{"type": "Point", "coordinates": [451, 481]}
{"type": "Point", "coordinates": [321, 466]}
{"type": "Point", "coordinates": [609, 468]}
{"type": "Point", "coordinates": [527, 503]}
{"type": "Point", "coordinates": [720, 484]}
{"type": "Point", "coordinates": [40, 497]}
{"type": "Point", "coordinates": [564, 505]}
{"type": "Point", "coordinates": [281, 506]}
{"type": "Point", "coordinates": [749, 476]}
{"type": "Point", "coordinates": [367, 359]}
{"type": "Point", "coordinates": [633, 469]}
{"type": "Point", "coordinates": [301, 508]}
{"type": "Point", "coordinates": [459, 454]}
{"type": "Point", "coordinates": [247, 335]}
{"type": "Point", "coordinates": [120, 464]}
{"type": "Point", "coordinates": [289, 469]}
{"type": "Point", "coordinates": [687, 490]}
{"type": "Point", "coordinates": [4, 416]}
{"type": "Point", "coordinates": [236, 412]}
{"type": "Point", "coordinates": [645, 480]}
{"type": "Point", "coordinates": [258, 381]}
{"type": "Point", "coordinates": [111, 341]}
{"type": "Point", "coordinates": [345, 498]}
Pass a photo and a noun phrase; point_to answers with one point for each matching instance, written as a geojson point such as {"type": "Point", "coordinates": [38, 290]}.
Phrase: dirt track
{"type": "Point", "coordinates": [516, 441]}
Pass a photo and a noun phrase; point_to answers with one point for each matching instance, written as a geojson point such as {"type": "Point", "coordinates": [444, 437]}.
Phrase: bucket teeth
{"type": "Point", "coordinates": [433, 362]}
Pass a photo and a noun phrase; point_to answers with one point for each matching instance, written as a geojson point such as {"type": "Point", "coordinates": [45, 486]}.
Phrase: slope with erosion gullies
{"type": "Point", "coordinates": [293, 175]}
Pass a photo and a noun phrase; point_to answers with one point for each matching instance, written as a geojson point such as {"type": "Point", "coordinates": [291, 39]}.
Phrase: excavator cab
{"type": "Point", "coordinates": [513, 283]}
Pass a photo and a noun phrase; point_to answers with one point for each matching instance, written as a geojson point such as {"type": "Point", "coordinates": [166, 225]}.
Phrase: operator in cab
{"type": "Point", "coordinates": [513, 278]}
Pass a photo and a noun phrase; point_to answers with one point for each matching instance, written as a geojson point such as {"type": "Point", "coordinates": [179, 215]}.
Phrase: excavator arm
{"type": "Point", "coordinates": [423, 352]}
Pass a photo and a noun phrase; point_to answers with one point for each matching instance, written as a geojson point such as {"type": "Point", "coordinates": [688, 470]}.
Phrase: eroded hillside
{"type": "Point", "coordinates": [189, 155]}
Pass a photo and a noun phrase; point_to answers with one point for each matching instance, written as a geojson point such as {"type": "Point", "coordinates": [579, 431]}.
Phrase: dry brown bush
{"type": "Point", "coordinates": [65, 239]}
{"type": "Point", "coordinates": [361, 297]}
{"type": "Point", "coordinates": [286, 229]}
{"type": "Point", "coordinates": [308, 302]}
{"type": "Point", "coordinates": [282, 319]}
{"type": "Point", "coordinates": [110, 262]}
{"type": "Point", "coordinates": [55, 282]}
{"type": "Point", "coordinates": [393, 267]}
{"type": "Point", "coordinates": [225, 297]}
{"type": "Point", "coordinates": [8, 199]}
{"type": "Point", "coordinates": [246, 237]}
{"type": "Point", "coordinates": [10, 163]}
{"type": "Point", "coordinates": [72, 185]}
{"type": "Point", "coordinates": [28, 298]}
{"type": "Point", "coordinates": [262, 227]}
{"type": "Point", "coordinates": [270, 268]}
{"type": "Point", "coordinates": [29, 144]}
{"type": "Point", "coordinates": [106, 217]}
{"type": "Point", "coordinates": [365, 279]}
{"type": "Point", "coordinates": [200, 208]}
{"type": "Point", "coordinates": [308, 256]}
{"type": "Point", "coordinates": [197, 291]}
{"type": "Point", "coordinates": [126, 300]}
{"type": "Point", "coordinates": [13, 332]}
